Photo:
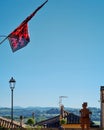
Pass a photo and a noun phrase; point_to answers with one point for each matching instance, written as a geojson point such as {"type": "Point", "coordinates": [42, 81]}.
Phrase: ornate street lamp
{"type": "Point", "coordinates": [12, 86]}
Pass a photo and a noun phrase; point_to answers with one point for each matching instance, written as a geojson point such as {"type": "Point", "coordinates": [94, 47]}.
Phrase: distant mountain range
{"type": "Point", "coordinates": [42, 113]}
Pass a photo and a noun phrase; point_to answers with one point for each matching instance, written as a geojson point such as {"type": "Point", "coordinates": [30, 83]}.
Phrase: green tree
{"type": "Point", "coordinates": [63, 121]}
{"type": "Point", "coordinates": [30, 121]}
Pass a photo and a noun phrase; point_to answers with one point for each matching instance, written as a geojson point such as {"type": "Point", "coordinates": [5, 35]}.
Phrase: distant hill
{"type": "Point", "coordinates": [42, 113]}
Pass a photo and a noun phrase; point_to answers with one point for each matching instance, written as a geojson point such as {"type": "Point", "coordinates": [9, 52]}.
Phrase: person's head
{"type": "Point", "coordinates": [84, 105]}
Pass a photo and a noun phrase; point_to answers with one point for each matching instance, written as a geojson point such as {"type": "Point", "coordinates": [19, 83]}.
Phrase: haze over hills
{"type": "Point", "coordinates": [42, 113]}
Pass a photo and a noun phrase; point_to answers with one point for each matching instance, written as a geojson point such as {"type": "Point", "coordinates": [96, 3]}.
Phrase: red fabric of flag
{"type": "Point", "coordinates": [19, 37]}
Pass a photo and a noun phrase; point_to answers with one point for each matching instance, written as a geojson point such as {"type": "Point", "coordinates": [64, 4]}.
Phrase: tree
{"type": "Point", "coordinates": [30, 121]}
{"type": "Point", "coordinates": [63, 121]}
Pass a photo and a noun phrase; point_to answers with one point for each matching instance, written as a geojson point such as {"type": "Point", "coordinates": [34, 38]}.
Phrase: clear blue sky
{"type": "Point", "coordinates": [65, 56]}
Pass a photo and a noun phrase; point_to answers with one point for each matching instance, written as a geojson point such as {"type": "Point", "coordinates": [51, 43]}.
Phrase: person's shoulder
{"type": "Point", "coordinates": [87, 109]}
{"type": "Point", "coordinates": [81, 110]}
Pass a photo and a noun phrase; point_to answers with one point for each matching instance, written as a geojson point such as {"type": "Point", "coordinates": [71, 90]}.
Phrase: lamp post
{"type": "Point", "coordinates": [12, 86]}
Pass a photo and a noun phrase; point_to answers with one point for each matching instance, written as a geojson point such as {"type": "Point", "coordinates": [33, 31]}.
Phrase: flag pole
{"type": "Point", "coordinates": [4, 38]}
{"type": "Point", "coordinates": [25, 21]}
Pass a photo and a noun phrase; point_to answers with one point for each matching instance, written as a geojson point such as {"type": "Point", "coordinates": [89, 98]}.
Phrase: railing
{"type": "Point", "coordinates": [6, 123]}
